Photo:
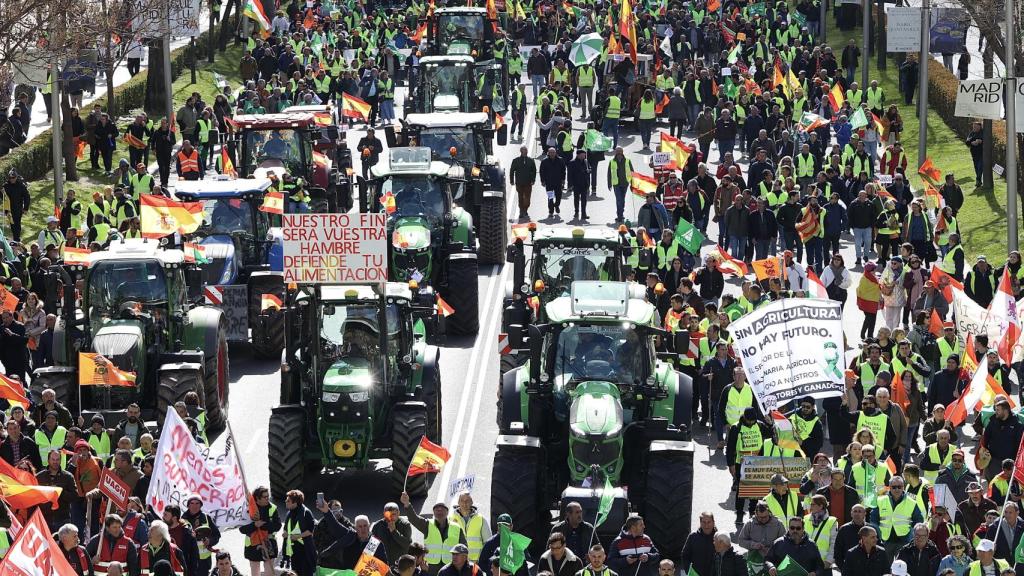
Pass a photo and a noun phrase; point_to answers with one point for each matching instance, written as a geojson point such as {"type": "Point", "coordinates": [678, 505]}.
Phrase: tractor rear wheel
{"type": "Point", "coordinates": [174, 385]}
{"type": "Point", "coordinates": [267, 325]}
{"type": "Point", "coordinates": [517, 490]}
{"type": "Point", "coordinates": [63, 385]}
{"type": "Point", "coordinates": [491, 231]}
{"type": "Point", "coordinates": [409, 426]}
{"type": "Point", "coordinates": [461, 295]}
{"type": "Point", "coordinates": [285, 447]}
{"type": "Point", "coordinates": [216, 386]}
{"type": "Point", "coordinates": [668, 499]}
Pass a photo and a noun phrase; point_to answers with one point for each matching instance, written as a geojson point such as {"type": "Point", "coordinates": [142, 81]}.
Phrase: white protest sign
{"type": "Point", "coordinates": [335, 248]}
{"type": "Point", "coordinates": [971, 318]}
{"type": "Point", "coordinates": [185, 467]}
{"type": "Point", "coordinates": [980, 99]}
{"type": "Point", "coordinates": [903, 29]}
{"type": "Point", "coordinates": [792, 348]}
{"type": "Point", "coordinates": [460, 485]}
{"type": "Point", "coordinates": [943, 496]}
{"type": "Point", "coordinates": [184, 16]}
{"type": "Point", "coordinates": [659, 159]}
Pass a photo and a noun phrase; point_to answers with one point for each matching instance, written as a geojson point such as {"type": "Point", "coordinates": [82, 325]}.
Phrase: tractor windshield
{"type": "Point", "coordinates": [277, 148]}
{"type": "Point", "coordinates": [119, 287]}
{"type": "Point", "coordinates": [611, 352]}
{"type": "Point", "coordinates": [560, 266]}
{"type": "Point", "coordinates": [446, 78]}
{"type": "Point", "coordinates": [352, 331]}
{"type": "Point", "coordinates": [442, 140]}
{"type": "Point", "coordinates": [416, 196]}
{"type": "Point", "coordinates": [461, 29]}
{"type": "Point", "coordinates": [226, 215]}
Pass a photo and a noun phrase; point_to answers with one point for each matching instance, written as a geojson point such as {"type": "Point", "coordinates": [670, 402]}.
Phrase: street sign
{"type": "Point", "coordinates": [114, 488]}
{"type": "Point", "coordinates": [903, 29]}
{"type": "Point", "coordinates": [335, 248]}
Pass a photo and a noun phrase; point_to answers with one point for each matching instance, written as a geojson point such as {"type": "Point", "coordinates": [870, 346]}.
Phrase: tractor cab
{"type": "Point", "coordinates": [462, 30]}
{"type": "Point", "coordinates": [458, 83]}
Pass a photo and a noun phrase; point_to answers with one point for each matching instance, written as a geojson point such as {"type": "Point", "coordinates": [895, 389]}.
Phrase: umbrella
{"type": "Point", "coordinates": [586, 49]}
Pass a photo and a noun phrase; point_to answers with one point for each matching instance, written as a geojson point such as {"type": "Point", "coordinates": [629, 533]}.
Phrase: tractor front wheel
{"type": "Point", "coordinates": [491, 231]}
{"type": "Point", "coordinates": [175, 383]}
{"type": "Point", "coordinates": [668, 498]}
{"type": "Point", "coordinates": [285, 448]}
{"type": "Point", "coordinates": [517, 489]}
{"type": "Point", "coordinates": [216, 384]}
{"type": "Point", "coordinates": [409, 426]}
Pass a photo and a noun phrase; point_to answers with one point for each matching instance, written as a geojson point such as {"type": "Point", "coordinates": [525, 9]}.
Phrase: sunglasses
{"type": "Point", "coordinates": [796, 528]}
{"type": "Point", "coordinates": [956, 547]}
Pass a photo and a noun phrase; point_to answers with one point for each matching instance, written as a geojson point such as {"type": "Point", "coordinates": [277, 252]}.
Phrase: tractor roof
{"type": "Point", "coordinates": [448, 58]}
{"type": "Point", "coordinates": [462, 10]}
{"type": "Point", "coordinates": [447, 119]}
{"type": "Point", "coordinates": [553, 234]}
{"type": "Point", "coordinates": [412, 161]}
{"type": "Point", "coordinates": [310, 108]}
{"type": "Point", "coordinates": [596, 301]}
{"type": "Point", "coordinates": [138, 249]}
{"type": "Point", "coordinates": [199, 189]}
{"type": "Point", "coordinates": [363, 292]}
{"type": "Point", "coordinates": [280, 120]}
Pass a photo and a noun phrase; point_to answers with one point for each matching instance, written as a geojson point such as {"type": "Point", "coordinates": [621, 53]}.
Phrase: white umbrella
{"type": "Point", "coordinates": [586, 49]}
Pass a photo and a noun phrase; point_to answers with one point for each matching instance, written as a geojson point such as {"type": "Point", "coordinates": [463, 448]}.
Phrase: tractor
{"type": "Point", "coordinates": [359, 381]}
{"type": "Point", "coordinates": [465, 142]}
{"type": "Point", "coordinates": [596, 411]}
{"type": "Point", "coordinates": [244, 261]}
{"type": "Point", "coordinates": [433, 241]}
{"type": "Point", "coordinates": [461, 30]}
{"type": "Point", "coordinates": [302, 141]}
{"type": "Point", "coordinates": [458, 83]}
{"type": "Point", "coordinates": [140, 308]}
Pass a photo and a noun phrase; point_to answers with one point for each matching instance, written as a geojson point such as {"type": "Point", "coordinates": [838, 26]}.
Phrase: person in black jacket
{"type": "Point", "coordinates": [980, 283]}
{"type": "Point", "coordinates": [106, 140]}
{"type": "Point", "coordinates": [18, 196]}
{"type": "Point", "coordinates": [577, 174]}
{"type": "Point", "coordinates": [710, 280]}
{"type": "Point", "coordinates": [797, 546]}
{"type": "Point", "coordinates": [848, 535]}
{"type": "Point", "coordinates": [849, 494]}
{"type": "Point", "coordinates": [13, 346]}
{"type": "Point", "coordinates": [522, 174]}
{"type": "Point", "coordinates": [920, 554]}
{"type": "Point", "coordinates": [558, 559]}
{"type": "Point", "coordinates": [866, 558]}
{"type": "Point", "coordinates": [764, 230]}
{"type": "Point", "coordinates": [162, 142]}
{"type": "Point", "coordinates": [552, 178]}
{"type": "Point", "coordinates": [728, 561]}
{"type": "Point", "coordinates": [699, 548]}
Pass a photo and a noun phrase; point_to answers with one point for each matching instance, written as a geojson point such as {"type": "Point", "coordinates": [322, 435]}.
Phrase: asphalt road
{"type": "Point", "coordinates": [469, 378]}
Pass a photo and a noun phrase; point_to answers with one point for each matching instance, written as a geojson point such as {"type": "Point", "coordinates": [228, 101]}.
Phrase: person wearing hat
{"type": "Point", "coordinates": [980, 283]}
{"type": "Point", "coordinates": [439, 534]}
{"type": "Point", "coordinates": [987, 564]}
{"type": "Point", "coordinates": [745, 438]}
{"type": "Point", "coordinates": [1002, 436]}
{"type": "Point", "coordinates": [491, 548]}
{"type": "Point", "coordinates": [460, 564]}
{"type": "Point", "coordinates": [394, 531]}
{"type": "Point", "coordinates": [205, 529]}
{"type": "Point", "coordinates": [997, 370]}
{"type": "Point", "coordinates": [931, 299]}
{"type": "Point", "coordinates": [807, 426]}
{"type": "Point", "coordinates": [141, 182]}
{"type": "Point", "coordinates": [783, 502]}
{"type": "Point", "coordinates": [558, 559]}
{"type": "Point", "coordinates": [974, 508]}
{"type": "Point", "coordinates": [51, 234]}
{"type": "Point", "coordinates": [578, 532]}
{"type": "Point", "coordinates": [99, 438]}
{"type": "Point", "coordinates": [51, 436]}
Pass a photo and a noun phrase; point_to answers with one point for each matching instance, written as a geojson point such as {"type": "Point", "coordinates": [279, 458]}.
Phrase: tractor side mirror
{"type": "Point", "coordinates": [194, 279]}
{"type": "Point", "coordinates": [536, 341]}
{"type": "Point", "coordinates": [389, 135]}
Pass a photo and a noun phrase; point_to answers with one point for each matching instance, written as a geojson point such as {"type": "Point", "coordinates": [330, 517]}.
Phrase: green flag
{"type": "Point", "coordinates": [595, 141]}
{"type": "Point", "coordinates": [605, 506]}
{"type": "Point", "coordinates": [688, 237]}
{"type": "Point", "coordinates": [799, 18]}
{"type": "Point", "coordinates": [513, 548]}
{"type": "Point", "coordinates": [734, 55]}
{"type": "Point", "coordinates": [334, 572]}
{"type": "Point", "coordinates": [691, 571]}
{"type": "Point", "coordinates": [1018, 554]}
{"type": "Point", "coordinates": [790, 567]}
{"type": "Point", "coordinates": [858, 119]}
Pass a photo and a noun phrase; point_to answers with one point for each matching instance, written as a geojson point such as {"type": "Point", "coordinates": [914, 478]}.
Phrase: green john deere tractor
{"type": "Point", "coordinates": [432, 240]}
{"type": "Point", "coordinates": [595, 403]}
{"type": "Point", "coordinates": [352, 391]}
{"type": "Point", "coordinates": [141, 309]}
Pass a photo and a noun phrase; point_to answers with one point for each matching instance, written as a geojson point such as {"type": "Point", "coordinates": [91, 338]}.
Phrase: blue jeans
{"type": "Point", "coordinates": [620, 200]}
{"type": "Point", "coordinates": [716, 422]}
{"type": "Point", "coordinates": [297, 207]}
{"type": "Point", "coordinates": [610, 128]}
{"type": "Point", "coordinates": [645, 127]}
{"type": "Point", "coordinates": [791, 241]}
{"type": "Point", "coordinates": [725, 147]}
{"type": "Point", "coordinates": [862, 242]}
{"type": "Point", "coordinates": [692, 111]}
{"type": "Point", "coordinates": [536, 82]}
{"type": "Point", "coordinates": [737, 246]}
{"type": "Point", "coordinates": [850, 73]}
{"type": "Point", "coordinates": [387, 110]}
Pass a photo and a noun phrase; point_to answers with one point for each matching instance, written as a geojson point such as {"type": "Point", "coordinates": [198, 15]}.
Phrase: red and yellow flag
{"type": "Point", "coordinates": [421, 31]}
{"type": "Point", "coordinates": [353, 107]}
{"type": "Point", "coordinates": [443, 308]}
{"type": "Point", "coordinates": [273, 203]}
{"type": "Point", "coordinates": [8, 301]}
{"type": "Point", "coordinates": [428, 459]}
{"type": "Point", "coordinates": [76, 256]}
{"type": "Point", "coordinates": [388, 201]}
{"type": "Point", "coordinates": [680, 150]}
{"type": "Point", "coordinates": [660, 106]}
{"type": "Point", "coordinates": [642, 184]}
{"type": "Point", "coordinates": [95, 370]}
{"type": "Point", "coordinates": [499, 121]}
{"type": "Point", "coordinates": [521, 231]}
{"type": "Point", "coordinates": [13, 391]}
{"type": "Point", "coordinates": [162, 216]}
{"type": "Point", "coordinates": [133, 141]}
{"type": "Point", "coordinates": [767, 268]}
{"type": "Point", "coordinates": [929, 171]}
{"type": "Point", "coordinates": [727, 264]}
{"type": "Point", "coordinates": [268, 301]}
{"type": "Point", "coordinates": [226, 165]}
{"type": "Point", "coordinates": [20, 489]}
{"type": "Point", "coordinates": [836, 98]}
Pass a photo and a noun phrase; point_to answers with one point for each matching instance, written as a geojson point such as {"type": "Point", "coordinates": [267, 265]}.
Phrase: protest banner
{"type": "Point", "coordinates": [335, 248]}
{"type": "Point", "coordinates": [948, 31]}
{"type": "Point", "coordinates": [115, 489]}
{"type": "Point", "coordinates": [185, 17]}
{"type": "Point", "coordinates": [791, 348]}
{"type": "Point", "coordinates": [185, 467]}
{"type": "Point", "coordinates": [756, 473]}
{"type": "Point", "coordinates": [34, 552]}
{"type": "Point", "coordinates": [971, 318]}
{"type": "Point", "coordinates": [460, 485]}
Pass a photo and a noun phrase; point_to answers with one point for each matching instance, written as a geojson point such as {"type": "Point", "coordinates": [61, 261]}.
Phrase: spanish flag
{"type": "Point", "coordinates": [642, 185]}
{"type": "Point", "coordinates": [133, 141]}
{"type": "Point", "coordinates": [268, 301]}
{"type": "Point", "coordinates": [227, 167]}
{"type": "Point", "coordinates": [163, 216]}
{"type": "Point", "coordinates": [428, 459]}
{"type": "Point", "coordinates": [836, 98]}
{"type": "Point", "coordinates": [680, 150]}
{"type": "Point", "coordinates": [273, 203]}
{"type": "Point", "coordinates": [929, 171]}
{"type": "Point", "coordinates": [20, 489]}
{"type": "Point", "coordinates": [76, 256]}
{"type": "Point", "coordinates": [443, 308]}
{"type": "Point", "coordinates": [13, 391]}
{"type": "Point", "coordinates": [353, 107]}
{"type": "Point", "coordinates": [499, 121]}
{"type": "Point", "coordinates": [421, 31]}
{"type": "Point", "coordinates": [95, 370]}
{"type": "Point", "coordinates": [727, 264]}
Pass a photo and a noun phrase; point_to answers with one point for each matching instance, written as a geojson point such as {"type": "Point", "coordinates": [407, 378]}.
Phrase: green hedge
{"type": "Point", "coordinates": [942, 91]}
{"type": "Point", "coordinates": [34, 159]}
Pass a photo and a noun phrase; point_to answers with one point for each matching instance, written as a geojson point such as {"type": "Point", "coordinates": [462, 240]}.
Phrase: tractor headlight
{"type": "Point", "coordinates": [332, 396]}
{"type": "Point", "coordinates": [344, 448]}
{"type": "Point", "coordinates": [363, 396]}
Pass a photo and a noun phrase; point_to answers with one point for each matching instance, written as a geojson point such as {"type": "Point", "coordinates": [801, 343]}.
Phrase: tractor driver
{"type": "Point", "coordinates": [276, 147]}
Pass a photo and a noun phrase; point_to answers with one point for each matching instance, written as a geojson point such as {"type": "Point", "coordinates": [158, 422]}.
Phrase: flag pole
{"type": "Point", "coordinates": [1006, 497]}
{"type": "Point", "coordinates": [245, 486]}
{"type": "Point", "coordinates": [405, 482]}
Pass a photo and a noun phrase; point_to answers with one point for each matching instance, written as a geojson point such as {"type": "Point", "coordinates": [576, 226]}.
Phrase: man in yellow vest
{"type": "Point", "coordinates": [474, 526]}
{"type": "Point", "coordinates": [736, 398]}
{"type": "Point", "coordinates": [895, 516]}
{"type": "Point", "coordinates": [870, 477]}
{"type": "Point", "coordinates": [99, 439]}
{"type": "Point", "coordinates": [783, 502]}
{"type": "Point", "coordinates": [585, 80]}
{"type": "Point", "coordinates": [807, 427]}
{"type": "Point", "coordinates": [51, 436]}
{"type": "Point", "coordinates": [936, 456]}
{"type": "Point", "coordinates": [745, 439]}
{"type": "Point", "coordinates": [439, 534]}
{"type": "Point", "coordinates": [987, 562]}
{"type": "Point", "coordinates": [612, 113]}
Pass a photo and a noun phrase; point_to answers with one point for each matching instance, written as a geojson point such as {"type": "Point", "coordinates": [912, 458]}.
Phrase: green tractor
{"type": "Point", "coordinates": [458, 83]}
{"type": "Point", "coordinates": [140, 309]}
{"type": "Point", "coordinates": [433, 241]}
{"type": "Point", "coordinates": [595, 404]}
{"type": "Point", "coordinates": [466, 141]}
{"type": "Point", "coordinates": [352, 391]}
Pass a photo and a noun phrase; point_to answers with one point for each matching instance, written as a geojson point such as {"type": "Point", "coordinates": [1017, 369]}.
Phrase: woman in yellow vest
{"type": "Point", "coordinates": [298, 534]}
{"type": "Point", "coordinates": [821, 529]}
{"type": "Point", "coordinates": [645, 113]}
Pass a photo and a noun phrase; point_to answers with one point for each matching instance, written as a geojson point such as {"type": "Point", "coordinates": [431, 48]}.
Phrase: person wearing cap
{"type": "Point", "coordinates": [1002, 436]}
{"type": "Point", "coordinates": [783, 502]}
{"type": "Point", "coordinates": [558, 559]}
{"type": "Point", "coordinates": [117, 548]}
{"type": "Point", "coordinates": [1006, 532]}
{"type": "Point", "coordinates": [474, 526]}
{"type": "Point", "coordinates": [931, 299]}
{"type": "Point", "coordinates": [205, 529]}
{"type": "Point", "coordinates": [492, 546]}
{"type": "Point", "coordinates": [807, 426]}
{"type": "Point", "coordinates": [99, 438]}
{"type": "Point", "coordinates": [895, 515]}
{"type": "Point", "coordinates": [141, 182]}
{"type": "Point", "coordinates": [51, 436]}
{"type": "Point", "coordinates": [578, 532]}
{"type": "Point", "coordinates": [974, 508]}
{"type": "Point", "coordinates": [980, 283]}
{"type": "Point", "coordinates": [51, 234]}
{"type": "Point", "coordinates": [460, 564]}
{"type": "Point", "coordinates": [394, 531]}
{"type": "Point", "coordinates": [633, 551]}
{"type": "Point", "coordinates": [997, 370]}
{"type": "Point", "coordinates": [987, 564]}
{"type": "Point", "coordinates": [745, 438]}
{"type": "Point", "coordinates": [439, 533]}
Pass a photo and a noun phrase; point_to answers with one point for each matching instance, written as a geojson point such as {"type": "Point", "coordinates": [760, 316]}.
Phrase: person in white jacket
{"type": "Point", "coordinates": [836, 279]}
